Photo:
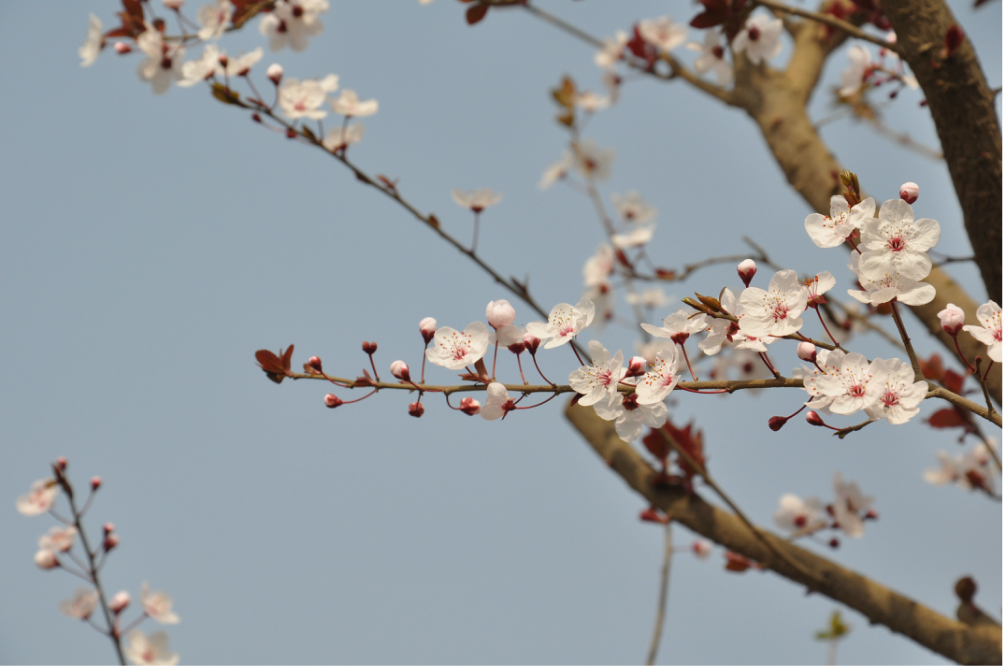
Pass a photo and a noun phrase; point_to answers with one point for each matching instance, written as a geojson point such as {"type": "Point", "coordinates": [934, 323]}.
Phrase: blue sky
{"type": "Point", "coordinates": [152, 244]}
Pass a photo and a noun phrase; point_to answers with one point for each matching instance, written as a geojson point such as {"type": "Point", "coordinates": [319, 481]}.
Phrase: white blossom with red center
{"type": "Point", "coordinates": [832, 230]}
{"type": "Point", "coordinates": [678, 326]}
{"type": "Point", "coordinates": [564, 323]}
{"type": "Point", "coordinates": [349, 104]}
{"type": "Point", "coordinates": [303, 99]}
{"type": "Point", "coordinates": [151, 650]}
{"type": "Point", "coordinates": [477, 200]}
{"type": "Point", "coordinates": [662, 32]}
{"type": "Point", "coordinates": [972, 470]}
{"type": "Point", "coordinates": [989, 333]}
{"type": "Point", "coordinates": [775, 311]}
{"type": "Point", "coordinates": [163, 61]}
{"type": "Point", "coordinates": [591, 102]}
{"type": "Point", "coordinates": [849, 507]}
{"type": "Point", "coordinates": [555, 172]}
{"type": "Point", "coordinates": [720, 331]}
{"type": "Point", "coordinates": [59, 539]}
{"type": "Point", "coordinates": [454, 350]}
{"type": "Point", "coordinates": [712, 57]}
{"type": "Point", "coordinates": [612, 50]}
{"type": "Point", "coordinates": [759, 39]}
{"type": "Point", "coordinates": [599, 267]}
{"type": "Point", "coordinates": [830, 363]}
{"type": "Point", "coordinates": [292, 23]}
{"type": "Point", "coordinates": [93, 44]}
{"type": "Point", "coordinates": [497, 403]}
{"type": "Point", "coordinates": [857, 385]}
{"type": "Point", "coordinates": [797, 514]}
{"type": "Point", "coordinates": [855, 76]}
{"type": "Point", "coordinates": [39, 498]}
{"type": "Point", "coordinates": [83, 603]}
{"type": "Point", "coordinates": [902, 394]}
{"type": "Point", "coordinates": [342, 137]}
{"type": "Point", "coordinates": [629, 416]}
{"type": "Point", "coordinates": [895, 243]}
{"type": "Point", "coordinates": [214, 19]}
{"type": "Point", "coordinates": [817, 286]}
{"type": "Point", "coordinates": [601, 379]}
{"type": "Point", "coordinates": [883, 288]}
{"type": "Point", "coordinates": [157, 605]}
{"type": "Point", "coordinates": [242, 64]}
{"type": "Point", "coordinates": [663, 376]}
{"type": "Point", "coordinates": [591, 161]}
{"type": "Point", "coordinates": [194, 72]}
{"type": "Point", "coordinates": [745, 341]}
{"type": "Point", "coordinates": [633, 208]}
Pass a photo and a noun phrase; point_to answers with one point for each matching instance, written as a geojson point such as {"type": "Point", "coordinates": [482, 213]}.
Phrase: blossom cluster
{"type": "Point", "coordinates": [847, 512]}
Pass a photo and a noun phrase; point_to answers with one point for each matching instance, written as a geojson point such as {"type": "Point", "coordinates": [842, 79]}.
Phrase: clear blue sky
{"type": "Point", "coordinates": [152, 244]}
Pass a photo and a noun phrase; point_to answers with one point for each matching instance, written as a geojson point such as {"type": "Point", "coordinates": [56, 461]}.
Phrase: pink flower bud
{"type": "Point", "coordinates": [909, 192]}
{"type": "Point", "coordinates": [110, 542]}
{"type": "Point", "coordinates": [777, 422]}
{"type": "Point", "coordinates": [416, 409]}
{"type": "Point", "coordinates": [95, 482]}
{"type": "Point", "coordinates": [223, 60]}
{"type": "Point", "coordinates": [314, 363]}
{"type": "Point", "coordinates": [807, 352]}
{"type": "Point", "coordinates": [369, 347]}
{"type": "Point", "coordinates": [636, 367]}
{"type": "Point", "coordinates": [813, 418]}
{"type": "Point", "coordinates": [651, 515]}
{"type": "Point", "coordinates": [119, 602]}
{"type": "Point", "coordinates": [470, 406]}
{"type": "Point", "coordinates": [427, 328]}
{"type": "Point", "coordinates": [871, 515]}
{"type": "Point", "coordinates": [332, 401]}
{"type": "Point", "coordinates": [400, 370]}
{"type": "Point", "coordinates": [532, 342]}
{"type": "Point", "coordinates": [833, 543]}
{"type": "Point", "coordinates": [108, 528]}
{"type": "Point", "coordinates": [122, 48]}
{"type": "Point", "coordinates": [702, 548]}
{"type": "Point", "coordinates": [275, 73]}
{"type": "Point", "coordinates": [952, 318]}
{"type": "Point", "coordinates": [61, 463]}
{"type": "Point", "coordinates": [500, 313]}
{"type": "Point", "coordinates": [746, 271]}
{"type": "Point", "coordinates": [46, 559]}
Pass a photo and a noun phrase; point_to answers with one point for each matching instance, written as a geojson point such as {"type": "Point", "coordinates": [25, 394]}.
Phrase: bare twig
{"type": "Point", "coordinates": [828, 20]}
{"type": "Point", "coordinates": [663, 596]}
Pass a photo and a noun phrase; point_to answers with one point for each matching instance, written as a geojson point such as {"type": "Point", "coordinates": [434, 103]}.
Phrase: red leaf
{"type": "Point", "coordinates": [476, 14]}
{"type": "Point", "coordinates": [932, 368]}
{"type": "Point", "coordinates": [953, 381]}
{"type": "Point", "coordinates": [949, 417]}
{"type": "Point", "coordinates": [737, 563]}
{"type": "Point", "coordinates": [277, 367]}
{"type": "Point", "coordinates": [656, 444]}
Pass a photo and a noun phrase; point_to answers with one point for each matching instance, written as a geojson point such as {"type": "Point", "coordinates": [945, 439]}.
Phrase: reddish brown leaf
{"type": "Point", "coordinates": [932, 368]}
{"type": "Point", "coordinates": [737, 563]}
{"type": "Point", "coordinates": [655, 442]}
{"type": "Point", "coordinates": [131, 18]}
{"type": "Point", "coordinates": [665, 274]}
{"type": "Point", "coordinates": [953, 381]}
{"type": "Point", "coordinates": [476, 14]}
{"type": "Point", "coordinates": [949, 417]}
{"type": "Point", "coordinates": [277, 367]}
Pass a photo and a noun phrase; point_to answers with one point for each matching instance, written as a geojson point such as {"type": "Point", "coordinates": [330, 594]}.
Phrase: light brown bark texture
{"type": "Point", "coordinates": [777, 100]}
{"type": "Point", "coordinates": [957, 641]}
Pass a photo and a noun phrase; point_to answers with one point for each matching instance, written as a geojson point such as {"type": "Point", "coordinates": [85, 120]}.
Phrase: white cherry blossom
{"type": "Point", "coordinates": [599, 266]}
{"type": "Point", "coordinates": [630, 417]}
{"type": "Point", "coordinates": [653, 298]}
{"type": "Point", "coordinates": [759, 39]}
{"type": "Point", "coordinates": [600, 379]}
{"type": "Point", "coordinates": [902, 394]}
{"type": "Point", "coordinates": [477, 200]}
{"type": "Point", "coordinates": [830, 364]}
{"type": "Point", "coordinates": [591, 161]}
{"type": "Point", "coordinates": [241, 65]}
{"type": "Point", "coordinates": [989, 333]}
{"type": "Point", "coordinates": [555, 172]}
{"type": "Point", "coordinates": [342, 137]}
{"type": "Point", "coordinates": [151, 651]}
{"type": "Point", "coordinates": [886, 287]}
{"type": "Point", "coordinates": [712, 57]}
{"type": "Point", "coordinates": [564, 323]}
{"type": "Point", "coordinates": [720, 331]}
{"type": "Point", "coordinates": [612, 50]}
{"type": "Point", "coordinates": [454, 350]}
{"type": "Point", "coordinates": [858, 385]}
{"type": "Point", "coordinates": [775, 311]}
{"type": "Point", "coordinates": [163, 62]}
{"type": "Point", "coordinates": [848, 506]}
{"type": "Point", "coordinates": [39, 499]}
{"type": "Point", "coordinates": [157, 605]}
{"type": "Point", "coordinates": [214, 19]}
{"type": "Point", "coordinates": [797, 514]}
{"type": "Point", "coordinates": [972, 470]}
{"type": "Point", "coordinates": [678, 326]}
{"type": "Point", "coordinates": [633, 208]}
{"type": "Point", "coordinates": [494, 405]}
{"type": "Point", "coordinates": [93, 44]}
{"type": "Point", "coordinates": [853, 78]}
{"type": "Point", "coordinates": [292, 23]}
{"type": "Point", "coordinates": [82, 604]}
{"type": "Point", "coordinates": [817, 286]}
{"type": "Point", "coordinates": [663, 376]}
{"type": "Point", "coordinates": [895, 243]}
{"type": "Point", "coordinates": [59, 539]}
{"type": "Point", "coordinates": [194, 72]}
{"type": "Point", "coordinates": [833, 230]}
{"type": "Point", "coordinates": [662, 32]}
{"type": "Point", "coordinates": [348, 104]}
{"type": "Point", "coordinates": [637, 236]}
{"type": "Point", "coordinates": [745, 341]}
{"type": "Point", "coordinates": [591, 102]}
{"type": "Point", "coordinates": [303, 99]}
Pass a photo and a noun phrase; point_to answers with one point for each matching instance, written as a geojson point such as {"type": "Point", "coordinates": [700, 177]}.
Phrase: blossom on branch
{"type": "Point", "coordinates": [902, 394]}
{"type": "Point", "coordinates": [194, 72]}
{"type": "Point", "coordinates": [348, 104]}
{"type": "Point", "coordinates": [601, 379]}
{"type": "Point", "coordinates": [849, 505]}
{"type": "Point", "coordinates": [629, 416]}
{"type": "Point", "coordinates": [662, 32]}
{"type": "Point", "coordinates": [93, 44]}
{"type": "Point", "coordinates": [498, 402]}
{"type": "Point", "coordinates": [454, 350]}
{"type": "Point", "coordinates": [662, 378]}
{"type": "Point", "coordinates": [338, 138]}
{"type": "Point", "coordinates": [39, 499]}
{"type": "Point", "coordinates": [834, 229]}
{"type": "Point", "coordinates": [214, 19]}
{"type": "Point", "coordinates": [151, 650]}
{"type": "Point", "coordinates": [59, 539]}
{"type": "Point", "coordinates": [477, 200]}
{"type": "Point", "coordinates": [591, 161]}
{"type": "Point", "coordinates": [857, 385]}
{"type": "Point", "coordinates": [797, 514]}
{"type": "Point", "coordinates": [555, 172]}
{"type": "Point", "coordinates": [292, 23]}
{"type": "Point", "coordinates": [157, 605]}
{"type": "Point", "coordinates": [855, 76]}
{"type": "Point", "coordinates": [759, 39]}
{"type": "Point", "coordinates": [612, 50]}
{"type": "Point", "coordinates": [632, 207]}
{"type": "Point", "coordinates": [775, 311]}
{"type": "Point", "coordinates": [989, 333]}
{"type": "Point", "coordinates": [83, 603]}
{"type": "Point", "coordinates": [162, 64]}
{"type": "Point", "coordinates": [678, 326]}
{"type": "Point", "coordinates": [712, 57]}
{"type": "Point", "coordinates": [972, 470]}
{"type": "Point", "coordinates": [303, 99]}
{"type": "Point", "coordinates": [564, 323]}
{"type": "Point", "coordinates": [895, 243]}
{"type": "Point", "coordinates": [887, 287]}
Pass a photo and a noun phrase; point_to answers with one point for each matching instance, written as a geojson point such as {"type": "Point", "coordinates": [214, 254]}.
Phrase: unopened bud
{"type": "Point", "coordinates": [95, 482]}
{"type": "Point", "coordinates": [636, 367]}
{"type": "Point", "coordinates": [807, 352]}
{"type": "Point", "coordinates": [909, 192]}
{"type": "Point", "coordinates": [500, 313]}
{"type": "Point", "coordinates": [275, 73]}
{"type": "Point", "coordinates": [702, 548]}
{"type": "Point", "coordinates": [314, 363]}
{"type": "Point", "coordinates": [470, 406]}
{"type": "Point", "coordinates": [110, 542]}
{"type": "Point", "coordinates": [532, 342]}
{"type": "Point", "coordinates": [332, 401]}
{"type": "Point", "coordinates": [256, 118]}
{"type": "Point", "coordinates": [46, 559]}
{"type": "Point", "coordinates": [122, 48]}
{"type": "Point", "coordinates": [291, 133]}
{"type": "Point", "coordinates": [416, 409]}
{"type": "Point", "coordinates": [427, 328]}
{"type": "Point", "coordinates": [813, 418]}
{"type": "Point", "coordinates": [747, 271]}
{"type": "Point", "coordinates": [953, 38]}
{"type": "Point", "coordinates": [871, 515]}
{"type": "Point", "coordinates": [119, 602]}
{"type": "Point", "coordinates": [650, 515]}
{"type": "Point", "coordinates": [369, 347]}
{"type": "Point", "coordinates": [400, 370]}
{"type": "Point", "coordinates": [834, 543]}
{"type": "Point", "coordinates": [952, 318]}
{"type": "Point", "coordinates": [223, 60]}
{"type": "Point", "coordinates": [61, 463]}
{"type": "Point", "coordinates": [777, 422]}
{"type": "Point", "coordinates": [108, 528]}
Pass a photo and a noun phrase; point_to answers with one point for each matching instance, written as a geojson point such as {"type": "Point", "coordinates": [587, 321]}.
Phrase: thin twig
{"type": "Point", "coordinates": [663, 596]}
{"type": "Point", "coordinates": [830, 21]}
{"type": "Point", "coordinates": [906, 341]}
